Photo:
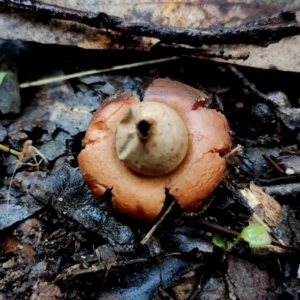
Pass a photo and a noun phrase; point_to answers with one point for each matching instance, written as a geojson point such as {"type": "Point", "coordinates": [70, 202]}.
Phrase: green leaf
{"type": "Point", "coordinates": [3, 74]}
{"type": "Point", "coordinates": [219, 241]}
{"type": "Point", "coordinates": [256, 235]}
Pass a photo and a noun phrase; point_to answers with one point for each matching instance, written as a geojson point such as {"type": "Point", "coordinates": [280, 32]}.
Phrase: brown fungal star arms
{"type": "Point", "coordinates": [140, 149]}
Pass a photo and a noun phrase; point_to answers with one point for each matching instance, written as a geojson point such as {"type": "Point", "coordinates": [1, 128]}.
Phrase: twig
{"type": "Point", "coordinates": [297, 153]}
{"type": "Point", "coordinates": [11, 151]}
{"type": "Point", "coordinates": [250, 86]}
{"type": "Point", "coordinates": [149, 234]}
{"type": "Point", "coordinates": [273, 163]}
{"type": "Point", "coordinates": [233, 151]}
{"type": "Point", "coordinates": [91, 72]}
{"type": "Point", "coordinates": [219, 228]}
{"type": "Point", "coordinates": [206, 206]}
{"type": "Point", "coordinates": [198, 52]}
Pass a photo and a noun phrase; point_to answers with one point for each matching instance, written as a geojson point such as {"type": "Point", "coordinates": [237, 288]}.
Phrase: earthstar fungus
{"type": "Point", "coordinates": [151, 139]}
{"type": "Point", "coordinates": [169, 141]}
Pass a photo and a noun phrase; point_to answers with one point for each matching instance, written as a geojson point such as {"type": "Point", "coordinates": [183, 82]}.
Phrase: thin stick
{"type": "Point", "coordinates": [149, 234]}
{"type": "Point", "coordinates": [11, 151]}
{"type": "Point", "coordinates": [91, 72]}
{"type": "Point", "coordinates": [272, 162]}
{"type": "Point", "coordinates": [234, 150]}
{"type": "Point", "coordinates": [250, 86]}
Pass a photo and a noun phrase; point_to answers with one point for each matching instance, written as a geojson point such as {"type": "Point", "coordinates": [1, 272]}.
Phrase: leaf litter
{"type": "Point", "coordinates": [76, 225]}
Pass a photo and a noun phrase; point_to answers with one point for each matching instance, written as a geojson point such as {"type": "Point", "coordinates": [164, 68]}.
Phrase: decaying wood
{"type": "Point", "coordinates": [267, 208]}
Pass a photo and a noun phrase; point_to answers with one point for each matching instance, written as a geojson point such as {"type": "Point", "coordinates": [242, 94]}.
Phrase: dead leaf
{"type": "Point", "coordinates": [46, 291]}
{"type": "Point", "coordinates": [249, 282]}
{"type": "Point", "coordinates": [289, 191]}
{"type": "Point", "coordinates": [31, 234]}
{"type": "Point", "coordinates": [290, 163]}
{"type": "Point", "coordinates": [188, 20]}
{"type": "Point", "coordinates": [279, 56]}
{"type": "Point", "coordinates": [290, 117]}
{"type": "Point", "coordinates": [61, 187]}
{"type": "Point", "coordinates": [58, 106]}
{"type": "Point", "coordinates": [191, 14]}
{"type": "Point", "coordinates": [19, 208]}
{"type": "Point", "coordinates": [184, 289]}
{"type": "Point", "coordinates": [288, 227]}
{"type": "Point", "coordinates": [214, 289]}
{"type": "Point", "coordinates": [25, 27]}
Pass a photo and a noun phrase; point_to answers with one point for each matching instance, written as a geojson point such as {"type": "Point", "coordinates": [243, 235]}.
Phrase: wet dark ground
{"type": "Point", "coordinates": [59, 242]}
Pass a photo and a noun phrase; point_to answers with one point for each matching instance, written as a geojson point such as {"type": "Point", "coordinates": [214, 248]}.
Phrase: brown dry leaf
{"type": "Point", "coordinates": [188, 15]}
{"type": "Point", "coordinates": [46, 291]}
{"type": "Point", "coordinates": [31, 231]}
{"type": "Point", "coordinates": [284, 55]}
{"type": "Point", "coordinates": [249, 282]}
{"type": "Point", "coordinates": [193, 14]}
{"type": "Point", "coordinates": [27, 27]}
{"type": "Point", "coordinates": [186, 286]}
